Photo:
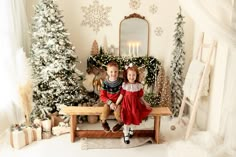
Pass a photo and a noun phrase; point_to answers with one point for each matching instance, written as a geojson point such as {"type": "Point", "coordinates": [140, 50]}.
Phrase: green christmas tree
{"type": "Point", "coordinates": [177, 65]}
{"type": "Point", "coordinates": [56, 79]}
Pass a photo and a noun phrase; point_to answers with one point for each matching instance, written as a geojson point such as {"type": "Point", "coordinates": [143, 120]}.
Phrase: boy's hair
{"type": "Point", "coordinates": [113, 63]}
{"type": "Point", "coordinates": [133, 68]}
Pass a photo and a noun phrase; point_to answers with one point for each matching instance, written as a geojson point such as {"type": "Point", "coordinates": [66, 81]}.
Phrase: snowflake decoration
{"type": "Point", "coordinates": [96, 16]}
{"type": "Point", "coordinates": [134, 4]}
{"type": "Point", "coordinates": [158, 31]}
{"type": "Point", "coordinates": [153, 9]}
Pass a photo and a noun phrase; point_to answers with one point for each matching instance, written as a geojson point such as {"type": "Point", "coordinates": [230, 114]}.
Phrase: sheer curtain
{"type": "Point", "coordinates": [228, 119]}
{"type": "Point", "coordinates": [217, 27]}
{"type": "Point", "coordinates": [223, 32]}
{"type": "Point", "coordinates": [13, 36]}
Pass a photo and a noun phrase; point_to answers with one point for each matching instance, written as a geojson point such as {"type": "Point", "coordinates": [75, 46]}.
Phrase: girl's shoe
{"type": "Point", "coordinates": [126, 139]}
{"type": "Point", "coordinates": [131, 133]}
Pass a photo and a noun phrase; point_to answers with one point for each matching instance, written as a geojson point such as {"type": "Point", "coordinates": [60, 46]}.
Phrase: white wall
{"type": "Point", "coordinates": [160, 47]}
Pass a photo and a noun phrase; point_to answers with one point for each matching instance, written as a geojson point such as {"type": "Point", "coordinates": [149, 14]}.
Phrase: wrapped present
{"type": "Point", "coordinates": [37, 132]}
{"type": "Point", "coordinates": [47, 125]}
{"type": "Point", "coordinates": [62, 128]}
{"type": "Point", "coordinates": [47, 134]}
{"type": "Point", "coordinates": [20, 136]}
{"type": "Point", "coordinates": [56, 120]}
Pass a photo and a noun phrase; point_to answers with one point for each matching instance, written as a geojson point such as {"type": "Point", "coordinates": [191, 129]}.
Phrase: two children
{"type": "Point", "coordinates": [133, 108]}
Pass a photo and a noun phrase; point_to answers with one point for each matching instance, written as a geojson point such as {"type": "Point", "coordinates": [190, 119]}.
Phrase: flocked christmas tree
{"type": "Point", "coordinates": [56, 79]}
{"type": "Point", "coordinates": [177, 65]}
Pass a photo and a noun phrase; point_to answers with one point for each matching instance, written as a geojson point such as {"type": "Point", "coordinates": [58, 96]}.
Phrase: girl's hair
{"type": "Point", "coordinates": [113, 63]}
{"type": "Point", "coordinates": [133, 68]}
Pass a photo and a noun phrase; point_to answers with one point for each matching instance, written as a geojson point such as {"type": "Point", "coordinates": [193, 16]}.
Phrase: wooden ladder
{"type": "Point", "coordinates": [194, 104]}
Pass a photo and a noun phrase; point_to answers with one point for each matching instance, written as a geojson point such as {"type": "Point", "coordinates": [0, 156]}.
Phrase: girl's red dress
{"type": "Point", "coordinates": [132, 110]}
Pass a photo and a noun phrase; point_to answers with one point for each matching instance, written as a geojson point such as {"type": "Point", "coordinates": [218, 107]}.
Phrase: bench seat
{"type": "Point", "coordinates": [73, 111]}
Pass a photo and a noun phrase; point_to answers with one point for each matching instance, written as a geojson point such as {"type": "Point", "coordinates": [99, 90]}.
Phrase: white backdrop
{"type": "Point", "coordinates": [217, 18]}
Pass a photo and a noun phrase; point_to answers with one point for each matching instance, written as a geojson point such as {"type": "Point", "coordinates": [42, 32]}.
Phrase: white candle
{"type": "Point", "coordinates": [133, 50]}
{"type": "Point", "coordinates": [129, 49]}
{"type": "Point", "coordinates": [137, 49]}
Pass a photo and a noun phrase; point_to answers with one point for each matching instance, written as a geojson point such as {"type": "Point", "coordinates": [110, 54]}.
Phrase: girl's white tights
{"type": "Point", "coordinates": [128, 130]}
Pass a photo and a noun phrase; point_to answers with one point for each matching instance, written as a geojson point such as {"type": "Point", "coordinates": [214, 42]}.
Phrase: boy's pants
{"type": "Point", "coordinates": [107, 111]}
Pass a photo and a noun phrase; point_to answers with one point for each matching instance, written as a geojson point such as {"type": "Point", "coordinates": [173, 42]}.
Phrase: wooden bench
{"type": "Point", "coordinates": [73, 111]}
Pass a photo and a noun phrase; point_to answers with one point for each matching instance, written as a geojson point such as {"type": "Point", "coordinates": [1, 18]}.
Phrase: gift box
{"type": "Point", "coordinates": [20, 137]}
{"type": "Point", "coordinates": [46, 125]}
{"type": "Point", "coordinates": [62, 128]}
{"type": "Point", "coordinates": [47, 134]}
{"type": "Point", "coordinates": [56, 120]}
{"type": "Point", "coordinates": [37, 133]}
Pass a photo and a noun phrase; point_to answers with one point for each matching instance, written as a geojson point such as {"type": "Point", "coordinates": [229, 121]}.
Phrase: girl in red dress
{"type": "Point", "coordinates": [133, 107]}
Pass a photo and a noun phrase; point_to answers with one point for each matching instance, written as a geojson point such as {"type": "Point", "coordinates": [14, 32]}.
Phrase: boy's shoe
{"type": "Point", "coordinates": [126, 139]}
{"type": "Point", "coordinates": [131, 133]}
{"type": "Point", "coordinates": [105, 126]}
{"type": "Point", "coordinates": [117, 127]}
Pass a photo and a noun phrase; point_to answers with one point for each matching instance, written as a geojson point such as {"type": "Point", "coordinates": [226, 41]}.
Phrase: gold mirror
{"type": "Point", "coordinates": [134, 31]}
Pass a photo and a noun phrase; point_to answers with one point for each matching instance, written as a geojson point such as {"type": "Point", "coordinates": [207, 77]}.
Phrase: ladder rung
{"type": "Point", "coordinates": [189, 103]}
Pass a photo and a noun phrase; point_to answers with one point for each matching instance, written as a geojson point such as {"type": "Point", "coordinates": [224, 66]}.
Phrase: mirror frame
{"type": "Point", "coordinates": [134, 15]}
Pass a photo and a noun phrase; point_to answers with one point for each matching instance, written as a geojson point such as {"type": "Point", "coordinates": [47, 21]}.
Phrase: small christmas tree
{"type": "Point", "coordinates": [56, 79]}
{"type": "Point", "coordinates": [105, 46]}
{"type": "Point", "coordinates": [166, 93]}
{"type": "Point", "coordinates": [177, 65]}
{"type": "Point", "coordinates": [94, 50]}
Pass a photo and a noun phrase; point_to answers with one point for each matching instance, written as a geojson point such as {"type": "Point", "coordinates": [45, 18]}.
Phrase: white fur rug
{"type": "Point", "coordinates": [113, 143]}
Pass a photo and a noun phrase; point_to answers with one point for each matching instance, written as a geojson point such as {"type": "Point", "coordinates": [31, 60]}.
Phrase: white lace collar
{"type": "Point", "coordinates": [132, 87]}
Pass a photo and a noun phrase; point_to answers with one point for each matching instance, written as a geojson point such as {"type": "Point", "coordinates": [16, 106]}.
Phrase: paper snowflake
{"type": "Point", "coordinates": [134, 4]}
{"type": "Point", "coordinates": [96, 16]}
{"type": "Point", "coordinates": [158, 31]}
{"type": "Point", "coordinates": [153, 9]}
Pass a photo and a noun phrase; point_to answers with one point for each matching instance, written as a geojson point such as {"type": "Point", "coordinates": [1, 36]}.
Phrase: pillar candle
{"type": "Point", "coordinates": [137, 49]}
{"type": "Point", "coordinates": [129, 49]}
{"type": "Point", "coordinates": [133, 49]}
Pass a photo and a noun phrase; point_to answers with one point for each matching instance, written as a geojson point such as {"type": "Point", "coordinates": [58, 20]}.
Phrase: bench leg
{"type": "Point", "coordinates": [72, 127]}
{"type": "Point", "coordinates": [156, 128]}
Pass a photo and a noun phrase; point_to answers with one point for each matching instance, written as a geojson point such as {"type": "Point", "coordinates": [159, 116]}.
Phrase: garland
{"type": "Point", "coordinates": [152, 99]}
{"type": "Point", "coordinates": [150, 63]}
